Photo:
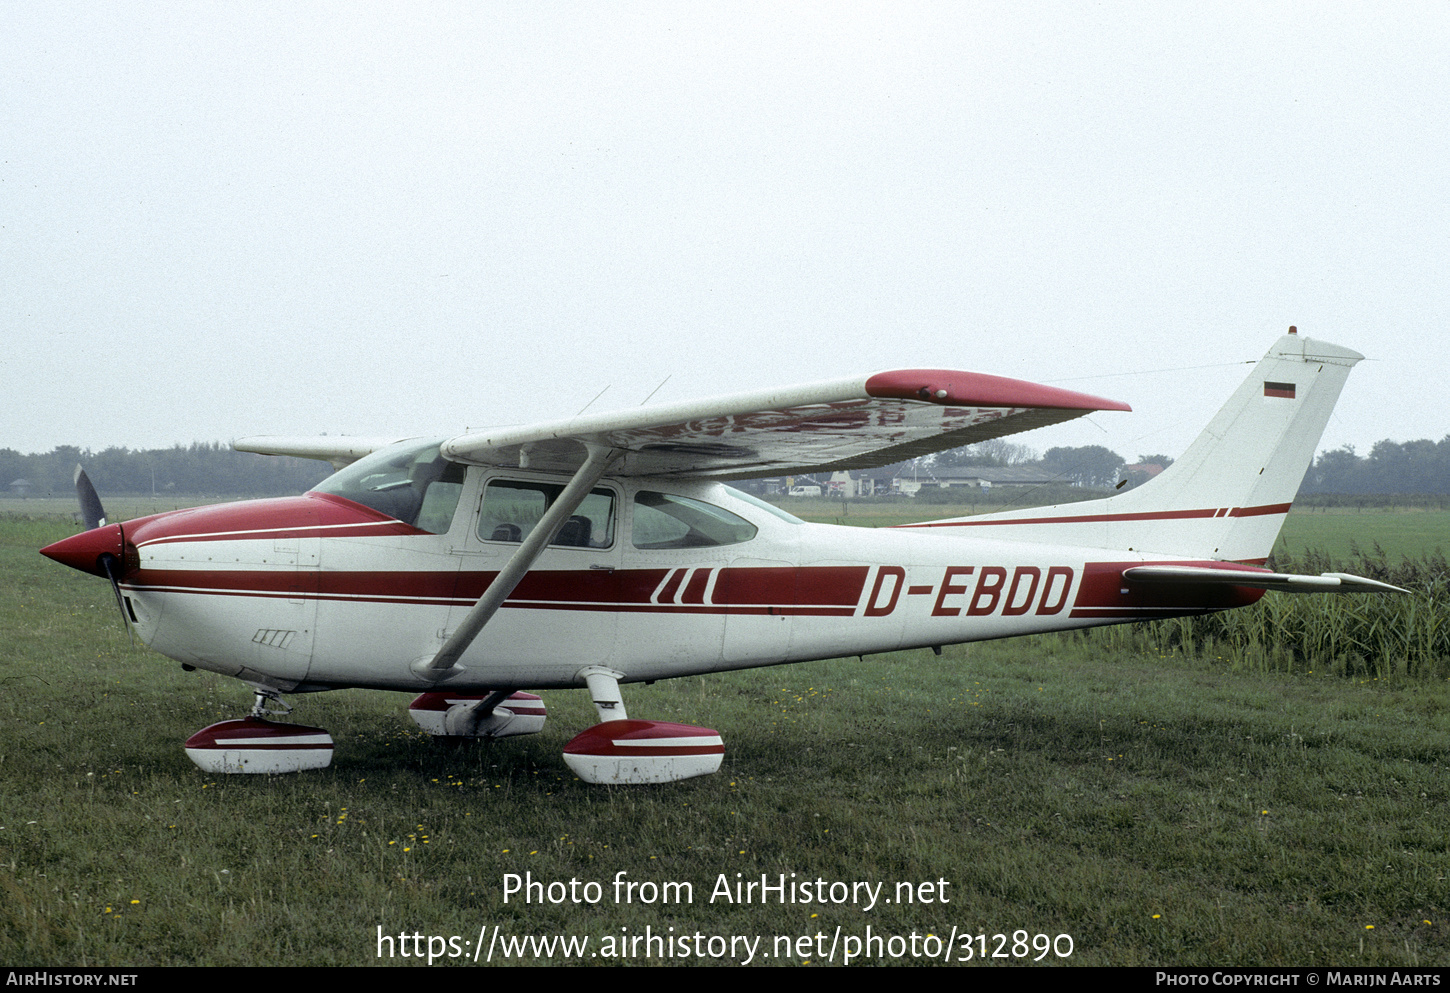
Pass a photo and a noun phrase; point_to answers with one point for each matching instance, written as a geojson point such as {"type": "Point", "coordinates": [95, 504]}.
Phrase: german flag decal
{"type": "Point", "coordinates": [1285, 390]}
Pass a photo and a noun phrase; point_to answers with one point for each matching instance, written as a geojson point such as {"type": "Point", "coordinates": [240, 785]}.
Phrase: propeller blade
{"type": "Point", "coordinates": [108, 562]}
{"type": "Point", "coordinates": [95, 516]}
{"type": "Point", "coordinates": [91, 509]}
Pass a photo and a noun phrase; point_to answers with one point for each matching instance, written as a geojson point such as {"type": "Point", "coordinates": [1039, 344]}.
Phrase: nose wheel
{"type": "Point", "coordinates": [256, 745]}
{"type": "Point", "coordinates": [267, 701]}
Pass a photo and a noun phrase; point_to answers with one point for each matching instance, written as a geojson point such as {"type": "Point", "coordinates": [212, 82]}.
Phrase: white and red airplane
{"type": "Point", "coordinates": [607, 549]}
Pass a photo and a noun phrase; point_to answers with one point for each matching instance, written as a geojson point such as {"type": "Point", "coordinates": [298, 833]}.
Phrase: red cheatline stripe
{"type": "Point", "coordinates": [667, 592]}
{"type": "Point", "coordinates": [1157, 515]}
{"type": "Point", "coordinates": [605, 606]}
{"type": "Point", "coordinates": [830, 590]}
{"type": "Point", "coordinates": [671, 608]}
{"type": "Point", "coordinates": [1273, 508]}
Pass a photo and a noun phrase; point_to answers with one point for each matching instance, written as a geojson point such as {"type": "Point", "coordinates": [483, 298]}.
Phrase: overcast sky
{"type": "Point", "coordinates": [220, 220]}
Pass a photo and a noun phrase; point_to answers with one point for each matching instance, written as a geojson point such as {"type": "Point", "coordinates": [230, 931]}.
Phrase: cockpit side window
{"type": "Point", "coordinates": [512, 508]}
{"type": "Point", "coordinates": [411, 482]}
{"type": "Point", "coordinates": [664, 520]}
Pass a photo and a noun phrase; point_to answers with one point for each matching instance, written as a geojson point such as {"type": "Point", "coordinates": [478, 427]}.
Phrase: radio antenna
{"type": "Point", "coordinates": [655, 390]}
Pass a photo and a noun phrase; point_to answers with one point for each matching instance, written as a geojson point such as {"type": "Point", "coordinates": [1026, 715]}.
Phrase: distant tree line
{"type": "Point", "coordinates": [213, 468]}
{"type": "Point", "coordinates": [197, 469]}
{"type": "Point", "coordinates": [1091, 466]}
{"type": "Point", "coordinates": [1390, 467]}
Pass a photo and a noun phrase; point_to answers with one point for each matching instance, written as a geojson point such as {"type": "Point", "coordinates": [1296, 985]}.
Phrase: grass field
{"type": "Point", "coordinates": [1156, 810]}
{"type": "Point", "coordinates": [1400, 532]}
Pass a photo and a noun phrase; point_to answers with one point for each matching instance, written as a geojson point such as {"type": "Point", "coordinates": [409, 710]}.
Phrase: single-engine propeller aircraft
{"type": "Point", "coordinates": [607, 549]}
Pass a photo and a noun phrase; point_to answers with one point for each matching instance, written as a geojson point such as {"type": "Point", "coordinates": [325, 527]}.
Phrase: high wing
{"type": "Point", "coordinates": [855, 423]}
{"type": "Point", "coordinates": [340, 450]}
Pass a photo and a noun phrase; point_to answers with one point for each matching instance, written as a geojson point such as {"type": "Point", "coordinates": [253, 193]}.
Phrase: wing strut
{"type": "Point", "coordinates": [444, 665]}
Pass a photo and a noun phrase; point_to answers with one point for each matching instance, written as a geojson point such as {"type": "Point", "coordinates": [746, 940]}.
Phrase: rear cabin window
{"type": "Point", "coordinates": [511, 509]}
{"type": "Point", "coordinates": [663, 520]}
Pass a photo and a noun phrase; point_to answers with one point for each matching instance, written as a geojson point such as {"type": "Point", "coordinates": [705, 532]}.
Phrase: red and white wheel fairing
{"type": "Point", "coordinates": [253, 745]}
{"type": "Point", "coordinates": [644, 752]}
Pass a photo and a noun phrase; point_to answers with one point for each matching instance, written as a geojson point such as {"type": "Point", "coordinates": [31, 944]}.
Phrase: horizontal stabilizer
{"type": "Point", "coordinates": [1329, 582]}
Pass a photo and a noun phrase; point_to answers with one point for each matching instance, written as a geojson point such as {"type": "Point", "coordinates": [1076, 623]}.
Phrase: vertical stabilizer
{"type": "Point", "coordinates": [1227, 497]}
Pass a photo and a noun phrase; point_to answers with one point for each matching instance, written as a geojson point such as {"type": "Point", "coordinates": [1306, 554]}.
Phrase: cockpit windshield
{"type": "Point", "coordinates": [410, 481]}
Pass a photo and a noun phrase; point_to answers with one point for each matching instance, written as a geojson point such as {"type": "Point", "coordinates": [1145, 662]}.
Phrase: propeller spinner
{"type": "Point", "coordinates": [99, 549]}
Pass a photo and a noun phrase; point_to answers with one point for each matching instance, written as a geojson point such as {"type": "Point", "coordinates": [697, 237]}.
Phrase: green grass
{"type": "Point", "coordinates": [1400, 531]}
{"type": "Point", "coordinates": [118, 508]}
{"type": "Point", "coordinates": [1158, 810]}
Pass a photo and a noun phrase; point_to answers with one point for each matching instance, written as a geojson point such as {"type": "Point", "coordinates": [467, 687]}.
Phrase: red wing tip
{"type": "Point", "coordinates": [974, 389]}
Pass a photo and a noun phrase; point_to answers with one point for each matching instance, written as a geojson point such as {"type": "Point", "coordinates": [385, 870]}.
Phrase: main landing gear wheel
{"type": "Point", "coordinates": [257, 745]}
{"type": "Point", "coordinates": [619, 750]}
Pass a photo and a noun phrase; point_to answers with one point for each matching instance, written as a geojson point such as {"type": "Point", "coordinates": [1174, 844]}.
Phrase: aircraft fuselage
{"type": "Point", "coordinates": [317, 592]}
